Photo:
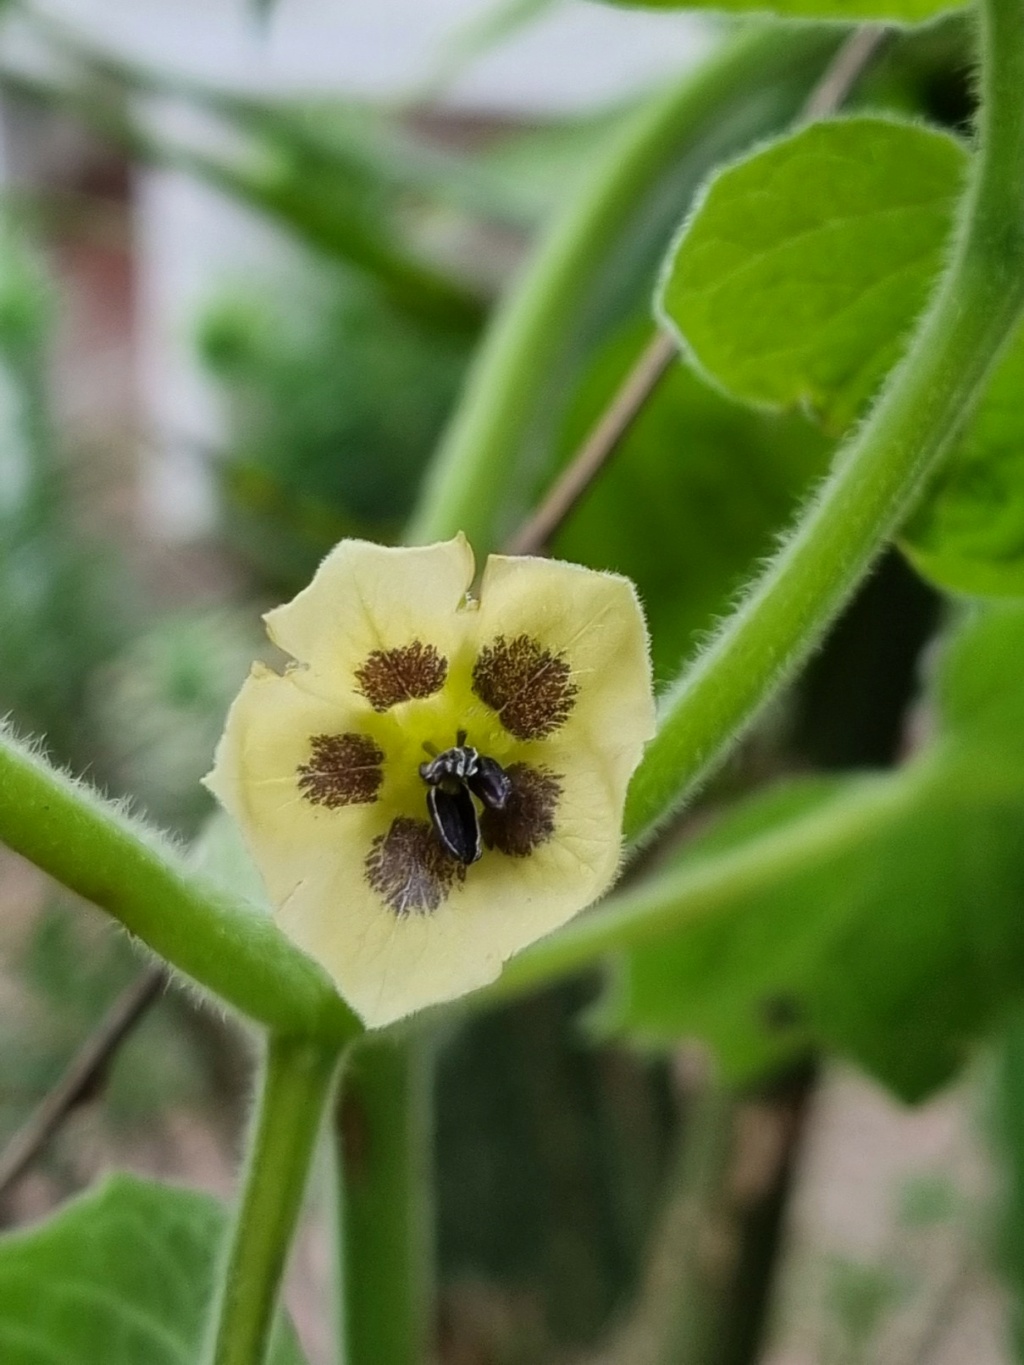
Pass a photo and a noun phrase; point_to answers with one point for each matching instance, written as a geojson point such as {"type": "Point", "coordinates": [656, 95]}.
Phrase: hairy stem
{"type": "Point", "coordinates": [227, 945]}
{"type": "Point", "coordinates": [82, 1077]}
{"type": "Point", "coordinates": [708, 885]}
{"type": "Point", "coordinates": [385, 1153]}
{"type": "Point", "coordinates": [877, 475]}
{"type": "Point", "coordinates": [725, 104]}
{"type": "Point", "coordinates": [296, 1085]}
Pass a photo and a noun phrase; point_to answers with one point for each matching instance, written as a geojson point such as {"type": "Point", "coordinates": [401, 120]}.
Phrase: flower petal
{"type": "Point", "coordinates": [377, 621]}
{"type": "Point", "coordinates": [321, 766]}
{"type": "Point", "coordinates": [589, 683]}
{"type": "Point", "coordinates": [388, 965]}
{"type": "Point", "coordinates": [277, 742]}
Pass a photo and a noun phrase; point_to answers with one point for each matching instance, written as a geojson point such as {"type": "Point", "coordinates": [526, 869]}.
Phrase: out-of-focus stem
{"type": "Point", "coordinates": [384, 1141]}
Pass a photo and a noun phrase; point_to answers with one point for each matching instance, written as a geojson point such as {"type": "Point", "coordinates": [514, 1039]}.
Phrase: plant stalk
{"type": "Point", "coordinates": [384, 1141]}
{"type": "Point", "coordinates": [297, 1082]}
{"type": "Point", "coordinates": [232, 948]}
{"type": "Point", "coordinates": [878, 473]}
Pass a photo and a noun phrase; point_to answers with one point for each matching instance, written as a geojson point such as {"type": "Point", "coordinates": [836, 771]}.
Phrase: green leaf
{"type": "Point", "coordinates": [893, 11]}
{"type": "Point", "coordinates": [968, 534]}
{"type": "Point", "coordinates": [121, 1275]}
{"type": "Point", "coordinates": [803, 266]}
{"type": "Point", "coordinates": [692, 499]}
{"type": "Point", "coordinates": [891, 930]}
{"type": "Point", "coordinates": [220, 854]}
{"type": "Point", "coordinates": [796, 281]}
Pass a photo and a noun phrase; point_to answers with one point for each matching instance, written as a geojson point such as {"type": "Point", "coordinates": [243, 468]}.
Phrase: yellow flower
{"type": "Point", "coordinates": [438, 779]}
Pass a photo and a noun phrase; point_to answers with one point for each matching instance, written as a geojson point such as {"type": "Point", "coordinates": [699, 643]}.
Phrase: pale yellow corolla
{"type": "Point", "coordinates": [542, 676]}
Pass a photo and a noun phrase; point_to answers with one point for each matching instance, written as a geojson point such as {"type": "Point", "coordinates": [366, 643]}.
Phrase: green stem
{"type": "Point", "coordinates": [227, 945]}
{"type": "Point", "coordinates": [754, 84]}
{"type": "Point", "coordinates": [673, 1320]}
{"type": "Point", "coordinates": [385, 1159]}
{"type": "Point", "coordinates": [877, 475]}
{"type": "Point", "coordinates": [296, 1085]}
{"type": "Point", "coordinates": [706, 884]}
{"type": "Point", "coordinates": [709, 884]}
{"type": "Point", "coordinates": [1006, 1142]}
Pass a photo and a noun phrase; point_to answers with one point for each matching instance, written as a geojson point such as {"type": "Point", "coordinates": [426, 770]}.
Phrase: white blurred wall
{"type": "Point", "coordinates": [575, 55]}
{"type": "Point", "coordinates": [191, 242]}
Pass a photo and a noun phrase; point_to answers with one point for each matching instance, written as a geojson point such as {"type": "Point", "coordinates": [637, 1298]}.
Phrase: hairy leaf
{"type": "Point", "coordinates": [968, 534]}
{"type": "Point", "coordinates": [802, 268]}
{"type": "Point", "coordinates": [797, 281]}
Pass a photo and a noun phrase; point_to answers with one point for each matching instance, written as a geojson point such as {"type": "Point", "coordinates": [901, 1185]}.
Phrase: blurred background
{"type": "Point", "coordinates": [246, 254]}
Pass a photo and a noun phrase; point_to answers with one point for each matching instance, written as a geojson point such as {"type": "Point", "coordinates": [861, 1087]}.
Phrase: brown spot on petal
{"type": "Point", "coordinates": [390, 676]}
{"type": "Point", "coordinates": [343, 770]}
{"type": "Point", "coordinates": [527, 819]}
{"type": "Point", "coordinates": [409, 869]}
{"type": "Point", "coordinates": [530, 687]}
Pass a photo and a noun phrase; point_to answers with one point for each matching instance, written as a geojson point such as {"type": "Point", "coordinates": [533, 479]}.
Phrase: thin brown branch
{"type": "Point", "coordinates": [844, 71]}
{"type": "Point", "coordinates": [83, 1074]}
{"type": "Point", "coordinates": [536, 532]}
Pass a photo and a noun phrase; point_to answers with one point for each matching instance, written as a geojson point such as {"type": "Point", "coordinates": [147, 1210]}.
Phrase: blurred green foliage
{"type": "Point", "coordinates": [895, 936]}
{"type": "Point", "coordinates": [128, 1270]}
{"type": "Point", "coordinates": [334, 401]}
{"type": "Point", "coordinates": [72, 968]}
{"type": "Point", "coordinates": [159, 705]}
{"type": "Point", "coordinates": [57, 621]}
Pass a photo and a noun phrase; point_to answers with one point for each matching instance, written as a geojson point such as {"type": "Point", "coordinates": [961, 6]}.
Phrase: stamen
{"type": "Point", "coordinates": [453, 779]}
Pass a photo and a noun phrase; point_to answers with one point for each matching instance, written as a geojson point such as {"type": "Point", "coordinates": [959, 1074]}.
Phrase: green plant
{"type": "Point", "coordinates": [865, 268]}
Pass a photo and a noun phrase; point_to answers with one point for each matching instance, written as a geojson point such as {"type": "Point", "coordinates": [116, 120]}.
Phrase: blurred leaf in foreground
{"type": "Point", "coordinates": [120, 1276]}
{"type": "Point", "coordinates": [879, 916]}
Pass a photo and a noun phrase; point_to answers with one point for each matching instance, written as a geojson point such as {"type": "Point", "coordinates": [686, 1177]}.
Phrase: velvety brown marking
{"type": "Point", "coordinates": [530, 687]}
{"type": "Point", "coordinates": [409, 869]}
{"type": "Point", "coordinates": [390, 676]}
{"type": "Point", "coordinates": [343, 770]}
{"type": "Point", "coordinates": [527, 819]}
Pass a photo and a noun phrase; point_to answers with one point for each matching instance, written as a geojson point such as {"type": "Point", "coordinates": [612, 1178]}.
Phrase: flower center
{"type": "Point", "coordinates": [454, 778]}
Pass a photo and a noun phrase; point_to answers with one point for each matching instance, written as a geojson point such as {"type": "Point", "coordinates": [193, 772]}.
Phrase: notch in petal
{"type": "Point", "coordinates": [366, 605]}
